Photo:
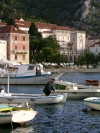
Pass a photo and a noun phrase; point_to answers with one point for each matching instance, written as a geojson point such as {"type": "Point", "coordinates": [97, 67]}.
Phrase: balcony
{"type": "Point", "coordinates": [19, 51]}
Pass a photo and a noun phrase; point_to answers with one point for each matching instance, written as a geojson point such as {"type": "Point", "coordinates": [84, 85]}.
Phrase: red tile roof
{"type": "Point", "coordinates": [47, 32]}
{"type": "Point", "coordinates": [52, 26]}
{"type": "Point", "coordinates": [93, 37]}
{"type": "Point", "coordinates": [45, 25]}
{"type": "Point", "coordinates": [11, 29]}
{"type": "Point", "coordinates": [95, 44]}
{"type": "Point", "coordinates": [39, 25]}
{"type": "Point", "coordinates": [23, 23]}
{"type": "Point", "coordinates": [3, 23]}
{"type": "Point", "coordinates": [1, 38]}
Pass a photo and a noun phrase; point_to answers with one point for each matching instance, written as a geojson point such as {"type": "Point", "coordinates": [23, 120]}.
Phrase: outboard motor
{"type": "Point", "coordinates": [2, 89]}
{"type": "Point", "coordinates": [25, 104]}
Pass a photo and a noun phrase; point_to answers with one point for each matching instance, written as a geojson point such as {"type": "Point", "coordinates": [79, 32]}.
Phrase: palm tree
{"type": "Point", "coordinates": [89, 58]}
{"type": "Point", "coordinates": [70, 45]}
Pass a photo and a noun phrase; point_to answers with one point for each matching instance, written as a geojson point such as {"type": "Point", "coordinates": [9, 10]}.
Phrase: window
{"type": "Point", "coordinates": [15, 57]}
{"type": "Point", "coordinates": [23, 47]}
{"type": "Point", "coordinates": [81, 40]}
{"type": "Point", "coordinates": [96, 49]}
{"type": "Point", "coordinates": [23, 57]}
{"type": "Point", "coordinates": [23, 38]}
{"type": "Point", "coordinates": [73, 39]}
{"type": "Point", "coordinates": [15, 46]}
{"type": "Point", "coordinates": [15, 37]}
{"type": "Point", "coordinates": [30, 67]}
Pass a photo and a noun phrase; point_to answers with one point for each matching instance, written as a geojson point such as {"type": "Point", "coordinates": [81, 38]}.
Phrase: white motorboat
{"type": "Point", "coordinates": [28, 74]}
{"type": "Point", "coordinates": [20, 115]}
{"type": "Point", "coordinates": [13, 98]}
{"type": "Point", "coordinates": [93, 102]}
{"type": "Point", "coordinates": [74, 92]}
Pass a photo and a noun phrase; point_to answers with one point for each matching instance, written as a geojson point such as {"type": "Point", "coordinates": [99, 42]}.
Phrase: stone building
{"type": "Point", "coordinates": [17, 44]}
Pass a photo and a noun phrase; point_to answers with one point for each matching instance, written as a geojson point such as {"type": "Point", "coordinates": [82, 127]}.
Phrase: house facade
{"type": "Point", "coordinates": [3, 49]}
{"type": "Point", "coordinates": [17, 44]}
{"type": "Point", "coordinates": [95, 48]}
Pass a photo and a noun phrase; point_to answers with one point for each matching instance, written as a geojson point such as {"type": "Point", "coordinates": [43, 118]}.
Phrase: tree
{"type": "Point", "coordinates": [10, 21]}
{"type": "Point", "coordinates": [87, 58]}
{"type": "Point", "coordinates": [35, 41]}
{"type": "Point", "coordinates": [33, 31]}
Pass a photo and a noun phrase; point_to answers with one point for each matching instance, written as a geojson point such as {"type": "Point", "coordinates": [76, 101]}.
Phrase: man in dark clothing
{"type": "Point", "coordinates": [49, 87]}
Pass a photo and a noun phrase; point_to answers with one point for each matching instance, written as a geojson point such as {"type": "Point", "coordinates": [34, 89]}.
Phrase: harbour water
{"type": "Point", "coordinates": [59, 118]}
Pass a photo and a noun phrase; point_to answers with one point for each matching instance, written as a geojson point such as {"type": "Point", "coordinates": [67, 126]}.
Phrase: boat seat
{"type": "Point", "coordinates": [38, 70]}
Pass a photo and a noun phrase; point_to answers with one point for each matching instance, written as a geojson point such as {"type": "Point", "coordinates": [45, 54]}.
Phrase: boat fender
{"type": "Point", "coordinates": [10, 99]}
{"type": "Point", "coordinates": [32, 99]}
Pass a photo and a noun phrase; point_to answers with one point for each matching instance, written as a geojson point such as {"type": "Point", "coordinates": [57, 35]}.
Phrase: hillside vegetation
{"type": "Point", "coordinates": [62, 12]}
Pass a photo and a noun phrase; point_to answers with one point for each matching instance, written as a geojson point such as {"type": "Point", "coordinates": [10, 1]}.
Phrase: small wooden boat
{"type": "Point", "coordinates": [93, 102]}
{"type": "Point", "coordinates": [92, 82]}
{"type": "Point", "coordinates": [20, 115]}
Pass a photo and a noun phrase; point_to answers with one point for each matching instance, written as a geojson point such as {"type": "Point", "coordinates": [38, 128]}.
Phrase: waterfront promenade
{"type": "Point", "coordinates": [75, 69]}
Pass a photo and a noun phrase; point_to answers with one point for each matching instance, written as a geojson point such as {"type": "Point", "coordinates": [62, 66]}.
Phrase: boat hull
{"type": "Point", "coordinates": [23, 116]}
{"type": "Point", "coordinates": [19, 116]}
{"type": "Point", "coordinates": [92, 102]}
{"type": "Point", "coordinates": [73, 91]}
{"type": "Point", "coordinates": [39, 79]}
{"type": "Point", "coordinates": [33, 99]}
{"type": "Point", "coordinates": [5, 118]}
{"type": "Point", "coordinates": [80, 94]}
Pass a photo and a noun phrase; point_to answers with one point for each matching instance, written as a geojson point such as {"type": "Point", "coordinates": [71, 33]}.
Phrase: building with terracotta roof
{"type": "Point", "coordinates": [95, 48]}
{"type": "Point", "coordinates": [17, 43]}
{"type": "Point", "coordinates": [2, 24]}
{"type": "Point", "coordinates": [23, 25]}
{"type": "Point", "coordinates": [91, 40]}
{"type": "Point", "coordinates": [63, 34]}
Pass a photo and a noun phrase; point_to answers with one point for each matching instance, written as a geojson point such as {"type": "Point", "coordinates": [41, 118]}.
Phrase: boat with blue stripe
{"type": "Point", "coordinates": [28, 74]}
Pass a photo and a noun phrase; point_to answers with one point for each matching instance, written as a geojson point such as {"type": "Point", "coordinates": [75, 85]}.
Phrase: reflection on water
{"type": "Point", "coordinates": [27, 129]}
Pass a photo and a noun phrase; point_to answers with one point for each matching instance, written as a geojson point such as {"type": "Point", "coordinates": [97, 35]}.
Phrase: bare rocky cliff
{"type": "Point", "coordinates": [84, 10]}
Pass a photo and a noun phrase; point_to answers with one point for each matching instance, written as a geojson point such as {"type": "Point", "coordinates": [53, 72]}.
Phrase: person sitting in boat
{"type": "Point", "coordinates": [49, 88]}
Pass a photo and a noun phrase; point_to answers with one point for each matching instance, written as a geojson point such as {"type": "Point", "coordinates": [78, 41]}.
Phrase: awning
{"type": "Point", "coordinates": [7, 62]}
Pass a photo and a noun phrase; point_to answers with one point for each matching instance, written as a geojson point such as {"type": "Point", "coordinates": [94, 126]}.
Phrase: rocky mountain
{"type": "Point", "coordinates": [80, 14]}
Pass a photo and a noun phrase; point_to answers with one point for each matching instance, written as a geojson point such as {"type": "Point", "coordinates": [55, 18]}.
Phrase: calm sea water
{"type": "Point", "coordinates": [79, 77]}
{"type": "Point", "coordinates": [59, 118]}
